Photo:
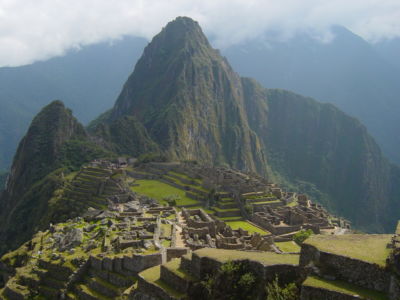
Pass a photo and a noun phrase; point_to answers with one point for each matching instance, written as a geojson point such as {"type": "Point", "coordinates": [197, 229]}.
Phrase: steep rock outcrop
{"type": "Point", "coordinates": [190, 101]}
{"type": "Point", "coordinates": [54, 144]}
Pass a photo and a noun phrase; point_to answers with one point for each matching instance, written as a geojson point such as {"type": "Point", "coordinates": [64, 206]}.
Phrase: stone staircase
{"type": "Point", "coordinates": [53, 278]}
{"type": "Point", "coordinates": [102, 280]}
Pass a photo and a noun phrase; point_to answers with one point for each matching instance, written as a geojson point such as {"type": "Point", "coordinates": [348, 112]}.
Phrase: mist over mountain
{"type": "Point", "coordinates": [389, 50]}
{"type": "Point", "coordinates": [347, 72]}
{"type": "Point", "coordinates": [88, 81]}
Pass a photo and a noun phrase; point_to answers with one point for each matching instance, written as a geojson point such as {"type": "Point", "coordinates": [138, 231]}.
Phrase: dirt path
{"type": "Point", "coordinates": [179, 242]}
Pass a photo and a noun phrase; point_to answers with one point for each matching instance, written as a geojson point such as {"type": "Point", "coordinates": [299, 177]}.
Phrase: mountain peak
{"type": "Point", "coordinates": [49, 130]}
{"type": "Point", "coordinates": [183, 28]}
{"type": "Point", "coordinates": [181, 34]}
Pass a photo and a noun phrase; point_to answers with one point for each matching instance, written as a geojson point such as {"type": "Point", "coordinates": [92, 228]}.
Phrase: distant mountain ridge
{"type": "Point", "coordinates": [347, 72]}
{"type": "Point", "coordinates": [87, 80]}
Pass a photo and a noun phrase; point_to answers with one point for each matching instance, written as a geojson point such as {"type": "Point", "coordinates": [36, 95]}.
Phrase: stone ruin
{"type": "Point", "coordinates": [201, 230]}
{"type": "Point", "coordinates": [281, 213]}
{"type": "Point", "coordinates": [99, 183]}
{"type": "Point", "coordinates": [283, 220]}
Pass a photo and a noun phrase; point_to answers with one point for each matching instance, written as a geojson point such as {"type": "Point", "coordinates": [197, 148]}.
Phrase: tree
{"type": "Point", "coordinates": [276, 292]}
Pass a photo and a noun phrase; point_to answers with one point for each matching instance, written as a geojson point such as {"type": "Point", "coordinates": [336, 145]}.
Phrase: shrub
{"type": "Point", "coordinates": [302, 235]}
{"type": "Point", "coordinates": [242, 283]}
{"type": "Point", "coordinates": [249, 209]}
{"type": "Point", "coordinates": [171, 199]}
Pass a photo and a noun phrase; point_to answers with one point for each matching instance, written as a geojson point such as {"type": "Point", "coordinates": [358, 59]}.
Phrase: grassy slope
{"type": "Point", "coordinates": [344, 287]}
{"type": "Point", "coordinates": [266, 258]}
{"type": "Point", "coordinates": [354, 246]}
{"type": "Point", "coordinates": [246, 226]}
{"type": "Point", "coordinates": [288, 246]}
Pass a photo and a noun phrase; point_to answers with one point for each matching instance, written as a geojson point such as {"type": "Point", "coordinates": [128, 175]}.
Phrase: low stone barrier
{"type": "Point", "coordinates": [176, 252]}
{"type": "Point", "coordinates": [138, 263]}
{"type": "Point", "coordinates": [361, 273]}
{"type": "Point", "coordinates": [148, 288]}
{"type": "Point", "coordinates": [312, 293]}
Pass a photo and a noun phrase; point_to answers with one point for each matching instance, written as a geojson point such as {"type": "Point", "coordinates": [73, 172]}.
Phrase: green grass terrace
{"type": "Point", "coordinates": [289, 246]}
{"type": "Point", "coordinates": [160, 190]}
{"type": "Point", "coordinates": [266, 258]}
{"type": "Point", "coordinates": [366, 247]}
{"type": "Point", "coordinates": [344, 287]}
{"type": "Point", "coordinates": [246, 226]}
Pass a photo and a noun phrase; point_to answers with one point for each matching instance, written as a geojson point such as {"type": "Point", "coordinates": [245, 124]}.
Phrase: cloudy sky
{"type": "Point", "coordinates": [32, 30]}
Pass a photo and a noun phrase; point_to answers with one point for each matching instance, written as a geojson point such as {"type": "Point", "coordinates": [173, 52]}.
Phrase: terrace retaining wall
{"type": "Point", "coordinates": [361, 273]}
{"type": "Point", "coordinates": [312, 293]}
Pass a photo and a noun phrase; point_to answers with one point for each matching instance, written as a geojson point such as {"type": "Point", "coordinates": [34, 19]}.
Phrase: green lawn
{"type": "Point", "coordinates": [159, 190]}
{"type": "Point", "coordinates": [344, 287]}
{"type": "Point", "coordinates": [266, 258]}
{"type": "Point", "coordinates": [267, 202]}
{"type": "Point", "coordinates": [152, 275]}
{"type": "Point", "coordinates": [225, 209]}
{"type": "Point", "coordinates": [292, 204]}
{"type": "Point", "coordinates": [367, 247]}
{"type": "Point", "coordinates": [246, 226]}
{"type": "Point", "coordinates": [288, 246]}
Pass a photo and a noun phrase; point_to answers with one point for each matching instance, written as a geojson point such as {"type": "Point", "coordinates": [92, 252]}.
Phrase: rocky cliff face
{"type": "Point", "coordinates": [190, 101]}
{"type": "Point", "coordinates": [194, 106]}
{"type": "Point", "coordinates": [317, 143]}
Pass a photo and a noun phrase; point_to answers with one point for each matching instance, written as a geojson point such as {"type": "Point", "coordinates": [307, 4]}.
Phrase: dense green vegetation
{"type": "Point", "coordinates": [30, 212]}
{"type": "Point", "coordinates": [242, 282]}
{"type": "Point", "coordinates": [276, 292]}
{"type": "Point", "coordinates": [302, 235]}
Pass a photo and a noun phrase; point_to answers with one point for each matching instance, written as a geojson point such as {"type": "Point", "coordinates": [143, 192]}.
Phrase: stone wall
{"type": "Point", "coordinates": [178, 283]}
{"type": "Point", "coordinates": [276, 230]}
{"type": "Point", "coordinates": [148, 288]}
{"type": "Point", "coordinates": [364, 274]}
{"type": "Point", "coordinates": [205, 222]}
{"type": "Point", "coordinates": [313, 293]}
{"type": "Point", "coordinates": [138, 263]}
{"type": "Point", "coordinates": [135, 263]}
{"type": "Point", "coordinates": [176, 252]}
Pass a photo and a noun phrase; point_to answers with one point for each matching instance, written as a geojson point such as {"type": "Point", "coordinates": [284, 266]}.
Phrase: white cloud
{"type": "Point", "coordinates": [36, 30]}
